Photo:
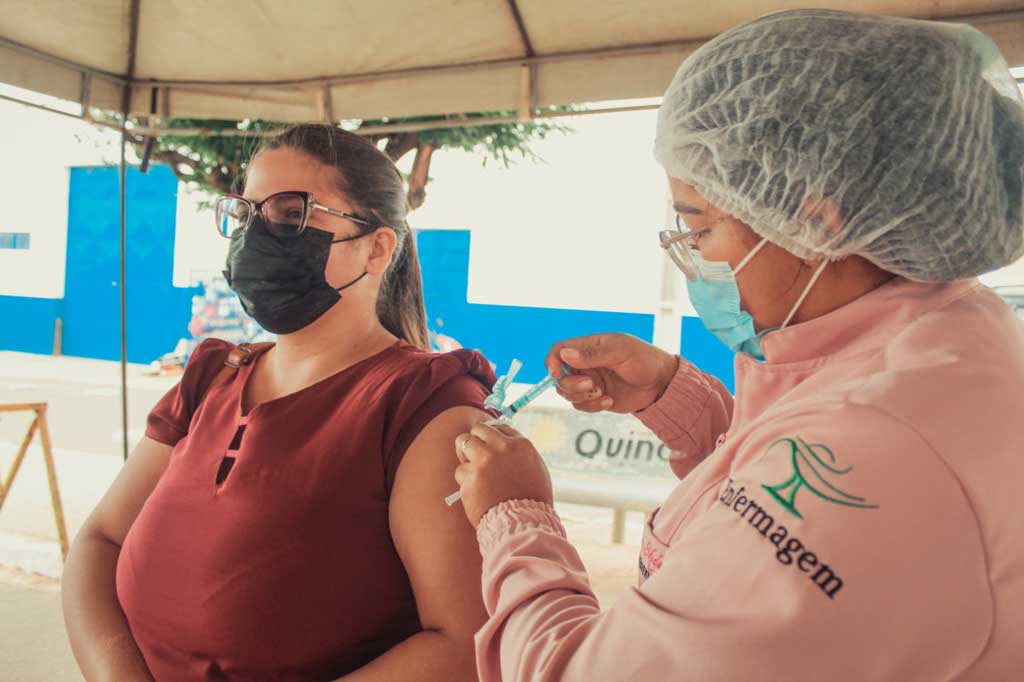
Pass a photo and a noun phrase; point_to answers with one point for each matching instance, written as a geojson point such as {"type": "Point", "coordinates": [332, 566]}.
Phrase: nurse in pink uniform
{"type": "Point", "coordinates": [853, 513]}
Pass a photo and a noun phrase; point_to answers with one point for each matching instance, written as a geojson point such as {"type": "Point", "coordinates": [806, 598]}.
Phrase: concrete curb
{"type": "Point", "coordinates": [31, 555]}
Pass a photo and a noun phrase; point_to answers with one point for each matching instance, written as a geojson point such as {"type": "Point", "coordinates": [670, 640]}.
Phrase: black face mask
{"type": "Point", "coordinates": [282, 282]}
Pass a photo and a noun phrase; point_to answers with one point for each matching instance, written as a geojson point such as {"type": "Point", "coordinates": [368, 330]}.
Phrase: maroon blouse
{"type": "Point", "coordinates": [285, 570]}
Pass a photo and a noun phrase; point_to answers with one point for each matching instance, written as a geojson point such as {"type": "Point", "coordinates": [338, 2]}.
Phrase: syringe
{"type": "Point", "coordinates": [510, 410]}
{"type": "Point", "coordinates": [528, 397]}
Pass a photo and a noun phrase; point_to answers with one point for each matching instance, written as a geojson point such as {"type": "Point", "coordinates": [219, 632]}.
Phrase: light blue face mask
{"type": "Point", "coordinates": [716, 297]}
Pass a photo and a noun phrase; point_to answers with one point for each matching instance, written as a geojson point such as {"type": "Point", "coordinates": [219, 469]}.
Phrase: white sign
{"type": "Point", "coordinates": [604, 443]}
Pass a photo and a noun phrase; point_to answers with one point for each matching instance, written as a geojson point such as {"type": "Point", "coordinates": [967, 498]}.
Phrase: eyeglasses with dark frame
{"type": "Point", "coordinates": [286, 214]}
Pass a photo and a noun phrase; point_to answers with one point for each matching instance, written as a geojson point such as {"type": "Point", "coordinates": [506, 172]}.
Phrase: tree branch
{"type": "Point", "coordinates": [221, 180]}
{"type": "Point", "coordinates": [176, 160]}
{"type": "Point", "coordinates": [401, 144]}
{"type": "Point", "coordinates": [417, 191]}
{"type": "Point", "coordinates": [214, 163]}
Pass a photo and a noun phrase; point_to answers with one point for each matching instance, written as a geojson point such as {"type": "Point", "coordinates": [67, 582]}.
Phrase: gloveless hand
{"type": "Point", "coordinates": [498, 464]}
{"type": "Point", "coordinates": [614, 372]}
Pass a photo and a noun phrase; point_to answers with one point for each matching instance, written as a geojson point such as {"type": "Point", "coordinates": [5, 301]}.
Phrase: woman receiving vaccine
{"type": "Point", "coordinates": [282, 517]}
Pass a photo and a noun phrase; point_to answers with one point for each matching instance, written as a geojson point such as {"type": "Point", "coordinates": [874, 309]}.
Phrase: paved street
{"type": "Point", "coordinates": [32, 642]}
{"type": "Point", "coordinates": [84, 399]}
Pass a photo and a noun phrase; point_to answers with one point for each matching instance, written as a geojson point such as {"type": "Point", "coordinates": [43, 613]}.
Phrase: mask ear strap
{"type": "Point", "coordinates": [349, 239]}
{"type": "Point", "coordinates": [807, 290]}
{"type": "Point", "coordinates": [346, 286]}
{"type": "Point", "coordinates": [746, 259]}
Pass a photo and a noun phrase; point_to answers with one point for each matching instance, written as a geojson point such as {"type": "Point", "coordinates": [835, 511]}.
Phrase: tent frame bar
{"type": "Point", "coordinates": [527, 104]}
{"type": "Point", "coordinates": [535, 60]}
{"type": "Point", "coordinates": [43, 107]}
{"type": "Point", "coordinates": [60, 61]}
{"type": "Point", "coordinates": [450, 122]}
{"type": "Point", "coordinates": [486, 65]}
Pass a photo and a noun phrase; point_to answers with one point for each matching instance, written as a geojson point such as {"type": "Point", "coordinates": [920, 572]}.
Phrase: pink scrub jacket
{"type": "Point", "coordinates": [859, 516]}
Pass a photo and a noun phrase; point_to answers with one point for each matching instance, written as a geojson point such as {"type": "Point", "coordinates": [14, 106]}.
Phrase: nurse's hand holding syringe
{"type": "Point", "coordinates": [612, 372]}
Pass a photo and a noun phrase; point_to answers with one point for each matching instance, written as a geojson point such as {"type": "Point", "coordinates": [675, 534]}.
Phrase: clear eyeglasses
{"type": "Point", "coordinates": [678, 243]}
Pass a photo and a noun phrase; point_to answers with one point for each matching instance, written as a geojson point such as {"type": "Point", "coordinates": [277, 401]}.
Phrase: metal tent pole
{"type": "Point", "coordinates": [126, 102]}
{"type": "Point", "coordinates": [124, 299]}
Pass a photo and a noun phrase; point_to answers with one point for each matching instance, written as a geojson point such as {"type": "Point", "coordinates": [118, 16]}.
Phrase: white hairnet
{"type": "Point", "coordinates": [913, 129]}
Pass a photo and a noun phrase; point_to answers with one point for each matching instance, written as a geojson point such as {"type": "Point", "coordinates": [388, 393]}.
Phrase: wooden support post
{"type": "Point", "coordinates": [85, 95]}
{"type": "Point", "coordinates": [324, 105]}
{"type": "Point", "coordinates": [58, 335]}
{"type": "Point", "coordinates": [17, 460]}
{"type": "Point", "coordinates": [51, 477]}
{"type": "Point", "coordinates": [527, 92]}
{"type": "Point", "coordinates": [619, 526]}
{"type": "Point", "coordinates": [39, 424]}
{"type": "Point", "coordinates": [164, 99]}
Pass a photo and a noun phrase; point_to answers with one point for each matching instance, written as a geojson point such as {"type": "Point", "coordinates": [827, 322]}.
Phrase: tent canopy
{"type": "Point", "coordinates": [329, 60]}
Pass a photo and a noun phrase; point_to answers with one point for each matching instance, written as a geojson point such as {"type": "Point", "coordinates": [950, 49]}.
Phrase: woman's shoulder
{"type": "Point", "coordinates": [410, 366]}
{"type": "Point", "coordinates": [213, 352]}
{"type": "Point", "coordinates": [210, 351]}
{"type": "Point", "coordinates": [418, 386]}
{"type": "Point", "coordinates": [208, 360]}
{"type": "Point", "coordinates": [170, 418]}
{"type": "Point", "coordinates": [204, 362]}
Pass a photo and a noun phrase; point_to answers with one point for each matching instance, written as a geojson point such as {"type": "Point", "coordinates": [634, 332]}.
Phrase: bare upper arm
{"type": "Point", "coordinates": [437, 544]}
{"type": "Point", "coordinates": [116, 511]}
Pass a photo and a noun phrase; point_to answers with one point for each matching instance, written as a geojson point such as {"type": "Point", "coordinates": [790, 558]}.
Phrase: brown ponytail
{"type": "Point", "coordinates": [400, 305]}
{"type": "Point", "coordinates": [372, 182]}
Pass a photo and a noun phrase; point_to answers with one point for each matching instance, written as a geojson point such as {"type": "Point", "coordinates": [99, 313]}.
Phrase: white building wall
{"type": "Point", "coordinates": [36, 151]}
{"type": "Point", "coordinates": [577, 230]}
{"type": "Point", "coordinates": [199, 252]}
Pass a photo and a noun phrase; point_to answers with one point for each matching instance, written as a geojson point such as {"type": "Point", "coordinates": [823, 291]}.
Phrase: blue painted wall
{"type": "Point", "coordinates": [26, 324]}
{"type": "Point", "coordinates": [158, 313]}
{"type": "Point", "coordinates": [506, 332]}
{"type": "Point", "coordinates": [503, 332]}
{"type": "Point", "coordinates": [703, 349]}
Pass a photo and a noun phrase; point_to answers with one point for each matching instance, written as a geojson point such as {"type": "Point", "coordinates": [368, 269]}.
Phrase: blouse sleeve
{"type": "Point", "coordinates": [169, 420]}
{"type": "Point", "coordinates": [460, 378]}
